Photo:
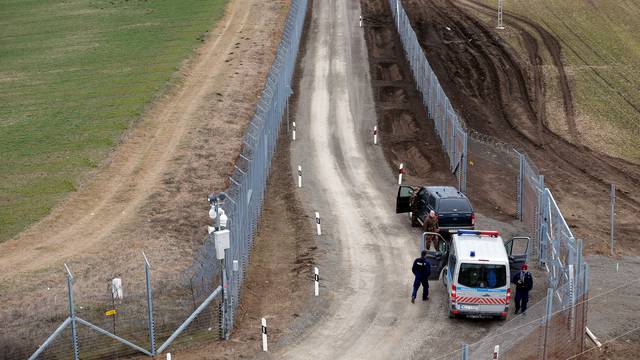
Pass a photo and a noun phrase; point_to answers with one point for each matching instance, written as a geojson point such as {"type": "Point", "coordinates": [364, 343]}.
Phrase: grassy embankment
{"type": "Point", "coordinates": [601, 51]}
{"type": "Point", "coordinates": [74, 75]}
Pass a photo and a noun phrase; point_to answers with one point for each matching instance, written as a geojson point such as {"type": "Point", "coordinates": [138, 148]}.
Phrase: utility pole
{"type": "Point", "coordinates": [500, 8]}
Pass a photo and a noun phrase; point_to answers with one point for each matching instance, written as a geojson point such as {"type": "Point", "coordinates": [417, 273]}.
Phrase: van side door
{"type": "Point", "coordinates": [517, 250]}
{"type": "Point", "coordinates": [403, 200]}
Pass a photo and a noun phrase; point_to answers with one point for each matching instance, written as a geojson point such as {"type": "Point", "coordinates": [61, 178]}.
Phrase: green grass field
{"type": "Point", "coordinates": [601, 50]}
{"type": "Point", "coordinates": [74, 74]}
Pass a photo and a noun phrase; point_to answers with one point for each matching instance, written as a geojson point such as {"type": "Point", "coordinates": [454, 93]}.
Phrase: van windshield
{"type": "Point", "coordinates": [486, 276]}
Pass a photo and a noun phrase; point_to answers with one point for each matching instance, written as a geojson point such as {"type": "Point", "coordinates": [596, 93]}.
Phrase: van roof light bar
{"type": "Point", "coordinates": [479, 233]}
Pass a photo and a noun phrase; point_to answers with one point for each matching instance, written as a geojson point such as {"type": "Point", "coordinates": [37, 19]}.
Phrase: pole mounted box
{"type": "Point", "coordinates": [222, 239]}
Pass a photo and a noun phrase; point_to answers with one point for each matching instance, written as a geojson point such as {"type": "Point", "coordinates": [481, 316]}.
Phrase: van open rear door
{"type": "Point", "coordinates": [403, 201]}
{"type": "Point", "coordinates": [517, 250]}
{"type": "Point", "coordinates": [437, 254]}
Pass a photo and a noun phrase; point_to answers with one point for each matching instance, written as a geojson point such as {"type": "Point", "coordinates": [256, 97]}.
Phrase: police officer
{"type": "Point", "coordinates": [421, 269]}
{"type": "Point", "coordinates": [524, 284]}
{"type": "Point", "coordinates": [431, 225]}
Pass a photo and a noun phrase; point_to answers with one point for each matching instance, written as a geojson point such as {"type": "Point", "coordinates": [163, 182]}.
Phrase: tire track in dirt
{"type": "Point", "coordinates": [479, 71]}
{"type": "Point", "coordinates": [555, 50]}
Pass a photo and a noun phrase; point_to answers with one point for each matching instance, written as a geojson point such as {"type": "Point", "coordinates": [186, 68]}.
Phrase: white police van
{"type": "Point", "coordinates": [476, 270]}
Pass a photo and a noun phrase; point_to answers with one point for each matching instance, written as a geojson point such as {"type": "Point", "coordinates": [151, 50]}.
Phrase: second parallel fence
{"type": "Point", "coordinates": [563, 316]}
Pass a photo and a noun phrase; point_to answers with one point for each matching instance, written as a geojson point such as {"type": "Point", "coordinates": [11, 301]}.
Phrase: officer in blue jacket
{"type": "Point", "coordinates": [524, 284]}
{"type": "Point", "coordinates": [421, 269]}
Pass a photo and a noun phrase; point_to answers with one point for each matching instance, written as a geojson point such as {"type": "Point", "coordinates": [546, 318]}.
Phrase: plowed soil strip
{"type": "Point", "coordinates": [490, 87]}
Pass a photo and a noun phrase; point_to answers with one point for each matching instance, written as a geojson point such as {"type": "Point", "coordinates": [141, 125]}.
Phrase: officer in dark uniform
{"type": "Point", "coordinates": [421, 269]}
{"type": "Point", "coordinates": [524, 284]}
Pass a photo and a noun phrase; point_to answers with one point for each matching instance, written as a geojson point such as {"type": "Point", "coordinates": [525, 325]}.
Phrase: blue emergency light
{"type": "Point", "coordinates": [473, 254]}
{"type": "Point", "coordinates": [479, 232]}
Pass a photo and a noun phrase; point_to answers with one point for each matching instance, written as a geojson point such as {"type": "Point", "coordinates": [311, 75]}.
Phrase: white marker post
{"type": "Point", "coordinates": [400, 172]}
{"type": "Point", "coordinates": [500, 11]}
{"type": "Point", "coordinates": [299, 176]}
{"type": "Point", "coordinates": [496, 352]}
{"type": "Point", "coordinates": [316, 279]}
{"type": "Point", "coordinates": [318, 224]}
{"type": "Point", "coordinates": [168, 356]}
{"type": "Point", "coordinates": [293, 131]}
{"type": "Point", "coordinates": [375, 135]}
{"type": "Point", "coordinates": [360, 20]}
{"type": "Point", "coordinates": [264, 335]}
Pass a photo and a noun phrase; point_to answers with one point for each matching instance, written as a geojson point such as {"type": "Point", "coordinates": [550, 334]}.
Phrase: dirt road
{"type": "Point", "coordinates": [365, 250]}
{"type": "Point", "coordinates": [150, 194]}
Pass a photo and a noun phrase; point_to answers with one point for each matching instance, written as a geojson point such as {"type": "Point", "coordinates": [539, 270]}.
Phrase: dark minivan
{"type": "Point", "coordinates": [453, 207]}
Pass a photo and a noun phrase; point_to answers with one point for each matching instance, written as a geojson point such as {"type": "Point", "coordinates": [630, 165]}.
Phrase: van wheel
{"type": "Point", "coordinates": [451, 315]}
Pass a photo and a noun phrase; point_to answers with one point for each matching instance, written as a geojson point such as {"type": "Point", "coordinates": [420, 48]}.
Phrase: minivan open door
{"type": "Point", "coordinates": [437, 258]}
{"type": "Point", "coordinates": [403, 201]}
{"type": "Point", "coordinates": [517, 250]}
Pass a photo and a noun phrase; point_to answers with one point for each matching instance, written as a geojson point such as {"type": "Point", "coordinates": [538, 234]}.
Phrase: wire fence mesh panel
{"type": "Point", "coordinates": [446, 121]}
{"type": "Point", "coordinates": [157, 311]}
{"type": "Point", "coordinates": [532, 188]}
{"type": "Point", "coordinates": [246, 192]}
{"type": "Point", "coordinates": [493, 173]}
{"type": "Point", "coordinates": [522, 337]}
{"type": "Point", "coordinates": [517, 187]}
{"type": "Point", "coordinates": [59, 349]}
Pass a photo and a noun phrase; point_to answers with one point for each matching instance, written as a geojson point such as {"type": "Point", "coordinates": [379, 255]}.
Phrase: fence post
{"type": "Point", "coordinates": [613, 219]}
{"type": "Point", "coordinates": [520, 195]}
{"type": "Point", "coordinates": [547, 319]}
{"type": "Point", "coordinates": [465, 352]}
{"type": "Point", "coordinates": [585, 302]}
{"type": "Point", "coordinates": [541, 223]}
{"type": "Point", "coordinates": [152, 327]}
{"type": "Point", "coordinates": [464, 160]}
{"type": "Point", "coordinates": [72, 314]}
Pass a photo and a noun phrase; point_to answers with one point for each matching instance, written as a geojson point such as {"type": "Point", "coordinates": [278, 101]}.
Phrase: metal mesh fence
{"type": "Point", "coordinates": [245, 195]}
{"type": "Point", "coordinates": [514, 174]}
{"type": "Point", "coordinates": [166, 310]}
{"type": "Point", "coordinates": [446, 120]}
{"type": "Point", "coordinates": [548, 330]}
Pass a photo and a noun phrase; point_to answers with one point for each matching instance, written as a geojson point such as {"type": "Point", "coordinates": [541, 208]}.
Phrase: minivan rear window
{"type": "Point", "coordinates": [484, 276]}
{"type": "Point", "coordinates": [454, 205]}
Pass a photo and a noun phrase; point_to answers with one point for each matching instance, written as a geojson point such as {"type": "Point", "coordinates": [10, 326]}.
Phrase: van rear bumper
{"type": "Point", "coordinates": [482, 311]}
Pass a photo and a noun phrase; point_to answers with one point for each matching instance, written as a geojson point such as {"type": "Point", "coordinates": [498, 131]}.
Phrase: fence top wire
{"type": "Point", "coordinates": [606, 342]}
{"type": "Point", "coordinates": [539, 319]}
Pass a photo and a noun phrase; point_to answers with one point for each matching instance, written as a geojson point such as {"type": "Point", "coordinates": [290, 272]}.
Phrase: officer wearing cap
{"type": "Point", "coordinates": [524, 283]}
